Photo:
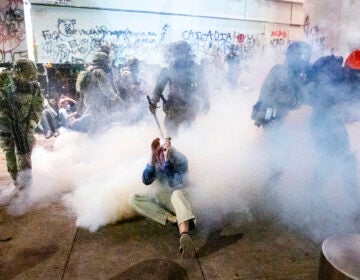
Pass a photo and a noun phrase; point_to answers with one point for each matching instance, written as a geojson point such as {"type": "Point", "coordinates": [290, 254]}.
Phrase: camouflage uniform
{"type": "Point", "coordinates": [279, 93]}
{"type": "Point", "coordinates": [187, 94]}
{"type": "Point", "coordinates": [21, 105]}
{"type": "Point", "coordinates": [282, 89]}
{"type": "Point", "coordinates": [98, 94]}
{"type": "Point", "coordinates": [331, 96]}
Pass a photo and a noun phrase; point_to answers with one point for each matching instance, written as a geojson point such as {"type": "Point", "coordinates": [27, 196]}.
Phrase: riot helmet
{"type": "Point", "coordinates": [101, 59]}
{"type": "Point", "coordinates": [352, 66]}
{"type": "Point", "coordinates": [132, 64]}
{"type": "Point", "coordinates": [24, 70]}
{"type": "Point", "coordinates": [298, 51]}
{"type": "Point", "coordinates": [125, 74]}
{"type": "Point", "coordinates": [297, 58]}
{"type": "Point", "coordinates": [353, 60]}
{"type": "Point", "coordinates": [179, 54]}
{"type": "Point", "coordinates": [105, 48]}
{"type": "Point", "coordinates": [180, 47]}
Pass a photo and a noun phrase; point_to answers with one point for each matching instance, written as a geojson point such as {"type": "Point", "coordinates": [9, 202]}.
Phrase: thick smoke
{"type": "Point", "coordinates": [94, 176]}
{"type": "Point", "coordinates": [233, 166]}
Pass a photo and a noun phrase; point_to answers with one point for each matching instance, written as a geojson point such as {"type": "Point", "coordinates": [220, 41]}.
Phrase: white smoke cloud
{"type": "Point", "coordinates": [233, 166]}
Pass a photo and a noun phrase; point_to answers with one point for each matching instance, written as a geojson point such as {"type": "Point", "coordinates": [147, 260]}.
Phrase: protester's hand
{"type": "Point", "coordinates": [155, 146]}
{"type": "Point", "coordinates": [159, 152]}
{"type": "Point", "coordinates": [71, 120]}
{"type": "Point", "coordinates": [166, 147]}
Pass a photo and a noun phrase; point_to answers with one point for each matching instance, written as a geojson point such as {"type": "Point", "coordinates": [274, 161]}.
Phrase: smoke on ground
{"type": "Point", "coordinates": [233, 167]}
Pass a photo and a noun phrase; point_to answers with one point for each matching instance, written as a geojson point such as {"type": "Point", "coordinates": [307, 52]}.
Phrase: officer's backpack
{"type": "Point", "coordinates": [83, 79]}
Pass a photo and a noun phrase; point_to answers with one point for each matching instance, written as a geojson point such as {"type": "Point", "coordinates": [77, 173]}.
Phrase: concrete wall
{"type": "Point", "coordinates": [333, 25]}
{"type": "Point", "coordinates": [330, 26]}
{"type": "Point", "coordinates": [275, 11]}
{"type": "Point", "coordinates": [321, 25]}
{"type": "Point", "coordinates": [72, 32]}
{"type": "Point", "coordinates": [349, 33]}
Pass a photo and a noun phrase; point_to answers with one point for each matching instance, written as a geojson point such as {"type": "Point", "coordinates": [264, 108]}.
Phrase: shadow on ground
{"type": "Point", "coordinates": [156, 269]}
{"type": "Point", "coordinates": [26, 259]}
{"type": "Point", "coordinates": [215, 242]}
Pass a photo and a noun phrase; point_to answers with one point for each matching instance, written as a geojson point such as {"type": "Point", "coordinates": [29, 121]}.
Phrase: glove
{"type": "Point", "coordinates": [116, 98]}
{"type": "Point", "coordinates": [152, 108]}
{"type": "Point", "coordinates": [33, 124]}
{"type": "Point", "coordinates": [205, 108]}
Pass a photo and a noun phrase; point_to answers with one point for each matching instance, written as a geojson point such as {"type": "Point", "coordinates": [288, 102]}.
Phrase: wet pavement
{"type": "Point", "coordinates": [45, 243]}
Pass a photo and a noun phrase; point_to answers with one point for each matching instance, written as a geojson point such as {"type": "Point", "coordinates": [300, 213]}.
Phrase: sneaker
{"type": "Point", "coordinates": [20, 204]}
{"type": "Point", "coordinates": [56, 133]}
{"type": "Point", "coordinates": [187, 248]}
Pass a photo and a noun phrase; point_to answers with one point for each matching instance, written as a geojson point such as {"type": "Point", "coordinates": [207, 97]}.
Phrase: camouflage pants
{"type": "Point", "coordinates": [15, 162]}
{"type": "Point", "coordinates": [99, 116]}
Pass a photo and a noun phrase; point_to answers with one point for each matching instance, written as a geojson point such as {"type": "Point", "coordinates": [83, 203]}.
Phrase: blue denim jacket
{"type": "Point", "coordinates": [172, 171]}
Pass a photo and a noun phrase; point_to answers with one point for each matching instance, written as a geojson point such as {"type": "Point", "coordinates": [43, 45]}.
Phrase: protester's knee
{"type": "Point", "coordinates": [133, 199]}
{"type": "Point", "coordinates": [176, 196]}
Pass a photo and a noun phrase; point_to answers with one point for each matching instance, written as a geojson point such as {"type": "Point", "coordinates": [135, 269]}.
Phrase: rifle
{"type": "Point", "coordinates": [21, 141]}
{"type": "Point", "coordinates": [155, 117]}
{"type": "Point", "coordinates": [163, 98]}
{"type": "Point", "coordinates": [165, 103]}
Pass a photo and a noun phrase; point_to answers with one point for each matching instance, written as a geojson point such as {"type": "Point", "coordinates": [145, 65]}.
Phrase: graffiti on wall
{"type": "Point", "coordinates": [58, 2]}
{"type": "Point", "coordinates": [279, 41]}
{"type": "Point", "coordinates": [314, 35]}
{"type": "Point", "coordinates": [68, 43]}
{"type": "Point", "coordinates": [204, 43]}
{"type": "Point", "coordinates": [12, 30]}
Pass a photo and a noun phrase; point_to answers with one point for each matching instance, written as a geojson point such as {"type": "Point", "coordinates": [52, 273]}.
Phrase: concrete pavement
{"type": "Point", "coordinates": [46, 244]}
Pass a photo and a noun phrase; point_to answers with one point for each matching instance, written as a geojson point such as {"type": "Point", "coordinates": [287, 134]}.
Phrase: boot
{"type": "Point", "coordinates": [24, 179]}
{"type": "Point", "coordinates": [8, 194]}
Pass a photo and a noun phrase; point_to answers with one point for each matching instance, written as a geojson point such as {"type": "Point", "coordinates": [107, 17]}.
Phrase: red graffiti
{"type": "Point", "coordinates": [12, 28]}
{"type": "Point", "coordinates": [279, 33]}
{"type": "Point", "coordinates": [240, 38]}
